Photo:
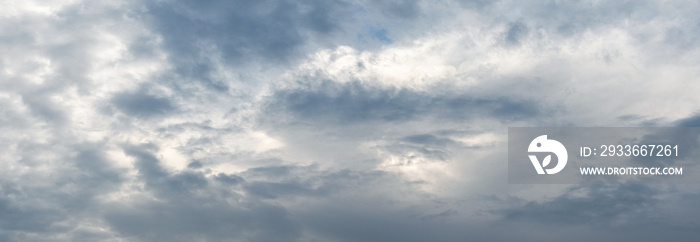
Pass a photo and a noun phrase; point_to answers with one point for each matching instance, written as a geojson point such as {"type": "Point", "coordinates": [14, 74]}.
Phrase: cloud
{"type": "Point", "coordinates": [353, 102]}
{"type": "Point", "coordinates": [515, 33]}
{"type": "Point", "coordinates": [329, 120]}
{"type": "Point", "coordinates": [192, 205]}
{"type": "Point", "coordinates": [36, 200]}
{"type": "Point", "coordinates": [596, 204]}
{"type": "Point", "coordinates": [142, 104]}
{"type": "Point", "coordinates": [692, 121]}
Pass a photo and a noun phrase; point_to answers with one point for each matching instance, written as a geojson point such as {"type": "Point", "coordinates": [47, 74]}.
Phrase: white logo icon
{"type": "Point", "coordinates": [542, 144]}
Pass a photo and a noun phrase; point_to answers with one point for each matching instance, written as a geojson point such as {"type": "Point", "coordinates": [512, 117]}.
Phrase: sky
{"type": "Point", "coordinates": [318, 120]}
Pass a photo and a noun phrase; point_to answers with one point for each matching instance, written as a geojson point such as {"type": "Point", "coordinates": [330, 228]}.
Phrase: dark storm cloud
{"type": "Point", "coordinates": [338, 103]}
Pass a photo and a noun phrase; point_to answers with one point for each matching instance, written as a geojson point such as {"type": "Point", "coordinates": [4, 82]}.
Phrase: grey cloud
{"type": "Point", "coordinates": [274, 181]}
{"type": "Point", "coordinates": [274, 189]}
{"type": "Point", "coordinates": [604, 213]}
{"type": "Point", "coordinates": [571, 18]}
{"type": "Point", "coordinates": [361, 206]}
{"type": "Point", "coordinates": [195, 165]}
{"type": "Point", "coordinates": [435, 147]}
{"type": "Point", "coordinates": [688, 141]}
{"type": "Point", "coordinates": [94, 173]}
{"type": "Point", "coordinates": [342, 215]}
{"type": "Point", "coordinates": [159, 180]}
{"type": "Point", "coordinates": [191, 207]}
{"type": "Point", "coordinates": [200, 36]}
{"type": "Point", "coordinates": [476, 4]}
{"type": "Point", "coordinates": [32, 219]}
{"type": "Point", "coordinates": [246, 30]}
{"type": "Point", "coordinates": [640, 121]}
{"type": "Point", "coordinates": [202, 219]}
{"type": "Point", "coordinates": [594, 205]}
{"type": "Point", "coordinates": [339, 224]}
{"type": "Point", "coordinates": [402, 9]}
{"type": "Point", "coordinates": [516, 32]}
{"type": "Point", "coordinates": [44, 108]}
{"type": "Point", "coordinates": [322, 16]}
{"type": "Point", "coordinates": [143, 105]}
{"type": "Point", "coordinates": [241, 32]}
{"type": "Point", "coordinates": [241, 28]}
{"type": "Point", "coordinates": [429, 139]}
{"type": "Point", "coordinates": [353, 102]}
{"type": "Point", "coordinates": [96, 168]}
{"type": "Point", "coordinates": [692, 121]}
{"type": "Point", "coordinates": [228, 179]}
{"type": "Point", "coordinates": [683, 38]}
{"type": "Point", "coordinates": [76, 181]}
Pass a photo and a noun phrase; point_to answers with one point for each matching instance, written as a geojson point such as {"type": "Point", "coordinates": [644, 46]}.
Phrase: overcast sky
{"type": "Point", "coordinates": [324, 120]}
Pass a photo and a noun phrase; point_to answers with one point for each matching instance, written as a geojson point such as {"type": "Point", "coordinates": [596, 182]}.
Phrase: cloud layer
{"type": "Point", "coordinates": [330, 120]}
